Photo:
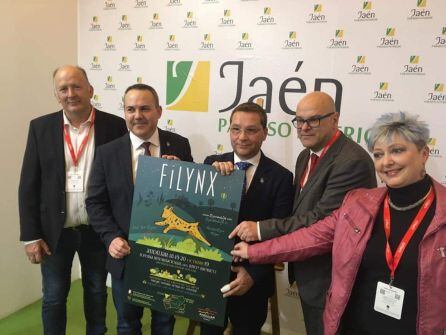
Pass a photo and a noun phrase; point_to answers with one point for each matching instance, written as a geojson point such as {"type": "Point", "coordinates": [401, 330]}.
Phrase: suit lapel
{"type": "Point", "coordinates": [164, 143]}
{"type": "Point", "coordinates": [124, 155]}
{"type": "Point", "coordinates": [321, 168]}
{"type": "Point", "coordinates": [301, 164]}
{"type": "Point", "coordinates": [58, 140]}
{"type": "Point", "coordinates": [258, 177]}
{"type": "Point", "coordinates": [100, 129]}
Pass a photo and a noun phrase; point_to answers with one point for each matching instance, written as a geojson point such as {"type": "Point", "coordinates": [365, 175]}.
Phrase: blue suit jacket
{"type": "Point", "coordinates": [270, 195]}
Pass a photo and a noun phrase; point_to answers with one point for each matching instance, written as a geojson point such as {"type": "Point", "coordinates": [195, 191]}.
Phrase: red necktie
{"type": "Point", "coordinates": [146, 146]}
{"type": "Point", "coordinates": [313, 162]}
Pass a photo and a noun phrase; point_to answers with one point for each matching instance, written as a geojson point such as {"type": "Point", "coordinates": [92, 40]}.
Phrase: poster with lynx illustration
{"type": "Point", "coordinates": [182, 215]}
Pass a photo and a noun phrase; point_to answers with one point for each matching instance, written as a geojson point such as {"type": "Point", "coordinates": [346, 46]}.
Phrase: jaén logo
{"type": "Point", "coordinates": [188, 86]}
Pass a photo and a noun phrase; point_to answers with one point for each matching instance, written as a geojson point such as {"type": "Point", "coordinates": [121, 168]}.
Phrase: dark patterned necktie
{"type": "Point", "coordinates": [243, 166]}
{"type": "Point", "coordinates": [146, 146]}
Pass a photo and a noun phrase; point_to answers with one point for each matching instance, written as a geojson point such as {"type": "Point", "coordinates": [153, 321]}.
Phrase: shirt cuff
{"type": "Point", "coordinates": [29, 242]}
{"type": "Point", "coordinates": [258, 231]}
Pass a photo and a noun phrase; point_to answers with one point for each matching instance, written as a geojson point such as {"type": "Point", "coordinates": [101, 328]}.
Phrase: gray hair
{"type": "Point", "coordinates": [403, 124]}
{"type": "Point", "coordinates": [81, 69]}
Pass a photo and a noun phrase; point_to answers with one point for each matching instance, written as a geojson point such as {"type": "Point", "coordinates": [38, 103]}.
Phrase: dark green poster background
{"type": "Point", "coordinates": [182, 215]}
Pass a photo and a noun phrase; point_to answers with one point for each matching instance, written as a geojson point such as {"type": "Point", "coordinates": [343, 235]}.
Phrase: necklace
{"type": "Point", "coordinates": [406, 208]}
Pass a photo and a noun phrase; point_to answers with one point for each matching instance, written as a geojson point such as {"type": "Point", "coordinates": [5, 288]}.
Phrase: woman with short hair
{"type": "Point", "coordinates": [388, 244]}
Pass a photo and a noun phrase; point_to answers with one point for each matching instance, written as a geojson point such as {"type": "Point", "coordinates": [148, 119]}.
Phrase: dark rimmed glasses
{"type": "Point", "coordinates": [250, 131]}
{"type": "Point", "coordinates": [312, 122]}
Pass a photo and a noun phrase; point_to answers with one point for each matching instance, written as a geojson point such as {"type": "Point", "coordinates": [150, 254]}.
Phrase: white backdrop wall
{"type": "Point", "coordinates": [206, 56]}
{"type": "Point", "coordinates": [29, 55]}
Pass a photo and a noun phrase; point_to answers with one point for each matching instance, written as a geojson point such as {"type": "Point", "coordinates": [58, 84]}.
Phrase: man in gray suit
{"type": "Point", "coordinates": [330, 165]}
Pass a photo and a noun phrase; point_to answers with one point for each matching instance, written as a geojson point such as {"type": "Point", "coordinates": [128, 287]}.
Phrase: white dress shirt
{"type": "Point", "coordinates": [76, 212]}
{"type": "Point", "coordinates": [138, 148]}
{"type": "Point", "coordinates": [250, 174]}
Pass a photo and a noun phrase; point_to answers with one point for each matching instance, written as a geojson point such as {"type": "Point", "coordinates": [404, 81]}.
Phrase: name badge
{"type": "Point", "coordinates": [75, 181]}
{"type": "Point", "coordinates": [389, 300]}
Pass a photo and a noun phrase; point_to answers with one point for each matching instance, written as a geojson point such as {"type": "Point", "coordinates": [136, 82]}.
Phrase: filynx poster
{"type": "Point", "coordinates": [182, 215]}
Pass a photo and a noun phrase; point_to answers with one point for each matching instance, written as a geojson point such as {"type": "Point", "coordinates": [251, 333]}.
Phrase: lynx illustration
{"type": "Point", "coordinates": [173, 221]}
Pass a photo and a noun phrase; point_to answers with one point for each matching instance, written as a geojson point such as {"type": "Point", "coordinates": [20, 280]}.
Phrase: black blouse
{"type": "Point", "coordinates": [360, 318]}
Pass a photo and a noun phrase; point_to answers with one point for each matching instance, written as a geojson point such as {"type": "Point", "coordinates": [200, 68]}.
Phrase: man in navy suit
{"type": "Point", "coordinates": [268, 193]}
{"type": "Point", "coordinates": [110, 194]}
{"type": "Point", "coordinates": [53, 220]}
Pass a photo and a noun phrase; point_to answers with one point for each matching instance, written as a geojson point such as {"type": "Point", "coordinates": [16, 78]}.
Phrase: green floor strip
{"type": "Point", "coordinates": [27, 321]}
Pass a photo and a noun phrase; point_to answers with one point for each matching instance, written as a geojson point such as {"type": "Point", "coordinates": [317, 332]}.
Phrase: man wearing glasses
{"type": "Point", "coordinates": [330, 165]}
{"type": "Point", "coordinates": [268, 193]}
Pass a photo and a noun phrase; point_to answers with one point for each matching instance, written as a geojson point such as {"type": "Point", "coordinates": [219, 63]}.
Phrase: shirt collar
{"type": "Point", "coordinates": [253, 160]}
{"type": "Point", "coordinates": [318, 153]}
{"type": "Point", "coordinates": [87, 122]}
{"type": "Point", "coordinates": [154, 139]}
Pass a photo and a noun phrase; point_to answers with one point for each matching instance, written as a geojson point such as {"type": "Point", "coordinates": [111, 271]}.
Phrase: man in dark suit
{"type": "Point", "coordinates": [268, 194]}
{"type": "Point", "coordinates": [53, 220]}
{"type": "Point", "coordinates": [321, 183]}
{"type": "Point", "coordinates": [110, 194]}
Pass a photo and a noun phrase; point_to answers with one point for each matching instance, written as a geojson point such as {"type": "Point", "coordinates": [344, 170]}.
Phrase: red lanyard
{"type": "Point", "coordinates": [393, 260]}
{"type": "Point", "coordinates": [324, 151]}
{"type": "Point", "coordinates": [75, 157]}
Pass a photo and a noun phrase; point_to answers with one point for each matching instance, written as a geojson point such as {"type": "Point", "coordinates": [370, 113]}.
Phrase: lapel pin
{"type": "Point", "coordinates": [262, 180]}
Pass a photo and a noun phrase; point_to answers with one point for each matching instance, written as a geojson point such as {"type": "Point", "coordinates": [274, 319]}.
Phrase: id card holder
{"type": "Point", "coordinates": [75, 181]}
{"type": "Point", "coordinates": [389, 300]}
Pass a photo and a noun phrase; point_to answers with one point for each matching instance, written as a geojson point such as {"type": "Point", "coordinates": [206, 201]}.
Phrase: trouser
{"type": "Point", "coordinates": [56, 281]}
{"type": "Point", "coordinates": [247, 314]}
{"type": "Point", "coordinates": [313, 319]}
{"type": "Point", "coordinates": [129, 316]}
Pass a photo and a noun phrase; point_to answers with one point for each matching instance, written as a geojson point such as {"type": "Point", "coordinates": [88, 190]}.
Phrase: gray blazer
{"type": "Point", "coordinates": [345, 166]}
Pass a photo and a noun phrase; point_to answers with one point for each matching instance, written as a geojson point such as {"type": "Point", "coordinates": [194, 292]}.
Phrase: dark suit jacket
{"type": "Point", "coordinates": [110, 189]}
{"type": "Point", "coordinates": [270, 195]}
{"type": "Point", "coordinates": [42, 201]}
{"type": "Point", "coordinates": [345, 166]}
